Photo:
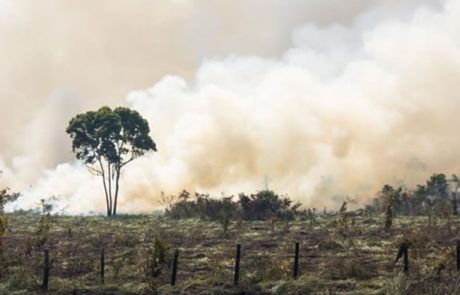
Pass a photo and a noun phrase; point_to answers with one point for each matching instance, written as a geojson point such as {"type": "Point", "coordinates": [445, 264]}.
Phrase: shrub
{"type": "Point", "coordinates": [266, 204]}
{"type": "Point", "coordinates": [431, 198]}
{"type": "Point", "coordinates": [158, 260]}
{"type": "Point", "coordinates": [201, 206]}
{"type": "Point", "coordinates": [263, 205]}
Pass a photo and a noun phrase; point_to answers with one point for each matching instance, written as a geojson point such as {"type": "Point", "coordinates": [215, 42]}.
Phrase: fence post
{"type": "Point", "coordinates": [102, 265]}
{"type": "Point", "coordinates": [174, 267]}
{"type": "Point", "coordinates": [296, 260]}
{"type": "Point", "coordinates": [46, 269]}
{"type": "Point", "coordinates": [237, 265]}
{"type": "Point", "coordinates": [403, 251]}
{"type": "Point", "coordinates": [406, 259]}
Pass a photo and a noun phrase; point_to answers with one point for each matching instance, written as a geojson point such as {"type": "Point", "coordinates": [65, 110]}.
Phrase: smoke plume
{"type": "Point", "coordinates": [325, 99]}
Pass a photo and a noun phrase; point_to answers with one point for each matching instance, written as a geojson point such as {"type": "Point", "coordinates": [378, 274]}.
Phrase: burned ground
{"type": "Point", "coordinates": [352, 258]}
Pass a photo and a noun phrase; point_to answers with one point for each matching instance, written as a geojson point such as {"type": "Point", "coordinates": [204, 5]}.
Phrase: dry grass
{"type": "Point", "coordinates": [335, 259]}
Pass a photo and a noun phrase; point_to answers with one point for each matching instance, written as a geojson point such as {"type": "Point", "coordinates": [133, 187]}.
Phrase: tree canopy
{"type": "Point", "coordinates": [106, 140]}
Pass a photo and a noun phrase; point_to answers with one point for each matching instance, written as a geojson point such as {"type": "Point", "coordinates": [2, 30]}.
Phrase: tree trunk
{"type": "Point", "coordinates": [110, 179]}
{"type": "Point", "coordinates": [117, 179]}
{"type": "Point", "coordinates": [110, 186]}
{"type": "Point", "coordinates": [109, 209]}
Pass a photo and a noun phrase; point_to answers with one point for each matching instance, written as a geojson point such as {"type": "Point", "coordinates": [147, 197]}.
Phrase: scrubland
{"type": "Point", "coordinates": [352, 255]}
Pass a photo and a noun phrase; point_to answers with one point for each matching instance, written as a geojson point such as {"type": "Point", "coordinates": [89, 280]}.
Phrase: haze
{"type": "Point", "coordinates": [325, 98]}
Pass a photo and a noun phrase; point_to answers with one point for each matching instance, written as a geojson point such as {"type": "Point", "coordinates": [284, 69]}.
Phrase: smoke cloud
{"type": "Point", "coordinates": [324, 102]}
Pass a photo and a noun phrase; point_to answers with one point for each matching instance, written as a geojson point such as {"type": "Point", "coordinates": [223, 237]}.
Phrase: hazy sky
{"type": "Point", "coordinates": [327, 98]}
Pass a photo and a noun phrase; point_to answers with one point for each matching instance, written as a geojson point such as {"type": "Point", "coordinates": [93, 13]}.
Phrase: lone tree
{"type": "Point", "coordinates": [107, 140]}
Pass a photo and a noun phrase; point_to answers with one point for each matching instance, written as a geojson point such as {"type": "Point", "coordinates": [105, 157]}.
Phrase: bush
{"type": "Point", "coordinates": [263, 205]}
{"type": "Point", "coordinates": [433, 198]}
{"type": "Point", "coordinates": [201, 206]}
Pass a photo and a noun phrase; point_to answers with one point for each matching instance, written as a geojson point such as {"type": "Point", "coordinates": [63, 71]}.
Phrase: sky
{"type": "Point", "coordinates": [326, 99]}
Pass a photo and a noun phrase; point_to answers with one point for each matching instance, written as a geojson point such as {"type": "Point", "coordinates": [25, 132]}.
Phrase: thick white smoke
{"type": "Point", "coordinates": [346, 108]}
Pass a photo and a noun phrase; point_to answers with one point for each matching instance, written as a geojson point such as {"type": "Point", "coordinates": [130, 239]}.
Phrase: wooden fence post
{"type": "Point", "coordinates": [174, 267]}
{"type": "Point", "coordinates": [296, 260]}
{"type": "Point", "coordinates": [46, 269]}
{"type": "Point", "coordinates": [102, 265]}
{"type": "Point", "coordinates": [237, 265]}
{"type": "Point", "coordinates": [403, 251]}
{"type": "Point", "coordinates": [406, 259]}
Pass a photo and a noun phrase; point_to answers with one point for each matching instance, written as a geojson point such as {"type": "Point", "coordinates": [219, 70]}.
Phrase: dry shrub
{"type": "Point", "coordinates": [269, 269]}
{"type": "Point", "coordinates": [342, 269]}
{"type": "Point", "coordinates": [328, 244]}
{"type": "Point", "coordinates": [442, 262]}
{"type": "Point", "coordinates": [159, 259]}
{"type": "Point", "coordinates": [418, 241]}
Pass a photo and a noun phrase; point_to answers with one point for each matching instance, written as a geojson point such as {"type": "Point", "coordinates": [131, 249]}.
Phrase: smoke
{"type": "Point", "coordinates": [102, 50]}
{"type": "Point", "coordinates": [324, 102]}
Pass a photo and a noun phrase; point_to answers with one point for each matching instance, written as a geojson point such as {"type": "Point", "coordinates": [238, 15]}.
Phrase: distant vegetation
{"type": "Point", "coordinates": [437, 197]}
{"type": "Point", "coordinates": [263, 205]}
{"type": "Point", "coordinates": [106, 140]}
{"type": "Point", "coordinates": [5, 197]}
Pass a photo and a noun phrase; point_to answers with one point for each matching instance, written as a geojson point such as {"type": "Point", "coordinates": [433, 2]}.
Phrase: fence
{"type": "Point", "coordinates": [403, 251]}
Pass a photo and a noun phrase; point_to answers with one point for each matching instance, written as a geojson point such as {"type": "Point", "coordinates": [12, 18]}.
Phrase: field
{"type": "Point", "coordinates": [352, 256]}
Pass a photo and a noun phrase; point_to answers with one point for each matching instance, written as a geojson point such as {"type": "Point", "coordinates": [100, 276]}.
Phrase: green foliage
{"type": "Point", "coordinates": [431, 198]}
{"type": "Point", "coordinates": [201, 206]}
{"type": "Point", "coordinates": [434, 194]}
{"type": "Point", "coordinates": [116, 136]}
{"type": "Point", "coordinates": [437, 185]}
{"type": "Point", "coordinates": [107, 140]}
{"type": "Point", "coordinates": [265, 205]}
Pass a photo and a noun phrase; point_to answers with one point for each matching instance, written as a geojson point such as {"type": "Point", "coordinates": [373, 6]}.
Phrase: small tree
{"type": "Point", "coordinates": [107, 140]}
{"type": "Point", "coordinates": [388, 191]}
{"type": "Point", "coordinates": [343, 214]}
